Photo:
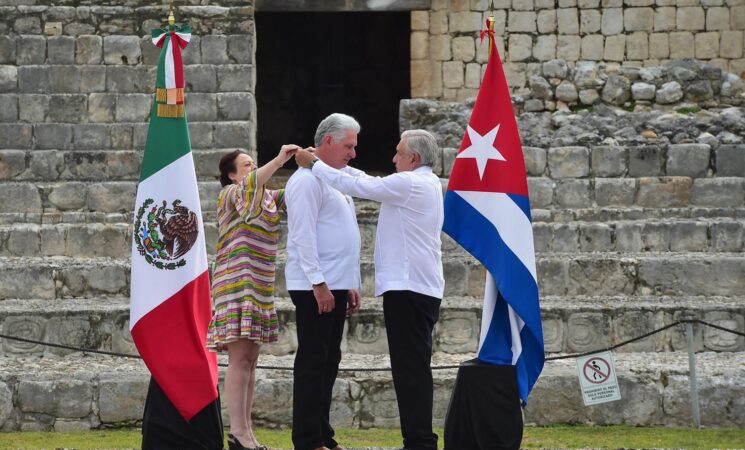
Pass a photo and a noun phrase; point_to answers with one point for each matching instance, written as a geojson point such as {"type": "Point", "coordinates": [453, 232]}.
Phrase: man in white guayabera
{"type": "Point", "coordinates": [323, 279]}
{"type": "Point", "coordinates": [408, 268]}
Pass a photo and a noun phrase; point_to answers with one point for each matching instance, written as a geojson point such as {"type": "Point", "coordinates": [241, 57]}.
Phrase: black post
{"type": "Point", "coordinates": [484, 411]}
{"type": "Point", "coordinates": [164, 428]}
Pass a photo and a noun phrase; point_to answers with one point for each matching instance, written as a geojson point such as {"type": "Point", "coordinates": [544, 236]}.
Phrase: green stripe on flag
{"type": "Point", "coordinates": [160, 78]}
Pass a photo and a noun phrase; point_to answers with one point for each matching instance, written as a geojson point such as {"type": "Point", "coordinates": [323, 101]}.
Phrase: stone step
{"type": "Point", "coordinates": [656, 235]}
{"type": "Point", "coordinates": [94, 164]}
{"type": "Point", "coordinates": [618, 213]}
{"type": "Point", "coordinates": [64, 77]}
{"type": "Point", "coordinates": [669, 273]}
{"type": "Point", "coordinates": [114, 239]}
{"type": "Point", "coordinates": [90, 115]}
{"type": "Point", "coordinates": [563, 145]}
{"type": "Point", "coordinates": [570, 324]}
{"type": "Point", "coordinates": [80, 392]}
{"type": "Point", "coordinates": [115, 122]}
{"type": "Point", "coordinates": [668, 192]}
{"type": "Point", "coordinates": [27, 199]}
{"type": "Point", "coordinates": [602, 139]}
{"type": "Point", "coordinates": [369, 210]}
{"type": "Point", "coordinates": [113, 151]}
{"type": "Point", "coordinates": [90, 50]}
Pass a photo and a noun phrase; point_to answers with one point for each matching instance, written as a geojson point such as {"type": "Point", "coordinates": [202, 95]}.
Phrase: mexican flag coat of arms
{"type": "Point", "coordinates": [170, 306]}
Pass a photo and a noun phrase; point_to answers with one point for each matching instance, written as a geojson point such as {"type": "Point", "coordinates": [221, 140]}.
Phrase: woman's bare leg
{"type": "Point", "coordinates": [239, 381]}
{"type": "Point", "coordinates": [250, 397]}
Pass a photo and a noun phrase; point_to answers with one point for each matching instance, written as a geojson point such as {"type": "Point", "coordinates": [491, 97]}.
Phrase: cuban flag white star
{"type": "Point", "coordinates": [482, 148]}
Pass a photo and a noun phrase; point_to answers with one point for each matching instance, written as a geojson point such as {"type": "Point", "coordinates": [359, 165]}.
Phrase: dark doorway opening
{"type": "Point", "coordinates": [310, 65]}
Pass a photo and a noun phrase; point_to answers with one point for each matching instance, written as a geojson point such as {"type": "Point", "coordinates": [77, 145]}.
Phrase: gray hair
{"type": "Point", "coordinates": [423, 144]}
{"type": "Point", "coordinates": [336, 125]}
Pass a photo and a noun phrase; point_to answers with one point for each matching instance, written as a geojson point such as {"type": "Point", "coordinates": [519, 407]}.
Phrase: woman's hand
{"type": "Point", "coordinates": [285, 153]}
{"type": "Point", "coordinates": [266, 171]}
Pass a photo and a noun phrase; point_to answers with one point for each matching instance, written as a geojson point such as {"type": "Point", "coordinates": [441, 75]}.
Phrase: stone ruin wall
{"type": "Point", "coordinates": [564, 54]}
{"type": "Point", "coordinates": [79, 75]}
{"type": "Point", "coordinates": [618, 195]}
{"type": "Point", "coordinates": [448, 61]}
{"type": "Point", "coordinates": [681, 85]}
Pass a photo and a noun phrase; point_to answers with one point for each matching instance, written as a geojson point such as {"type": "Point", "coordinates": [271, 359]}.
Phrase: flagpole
{"type": "Point", "coordinates": [171, 284]}
{"type": "Point", "coordinates": [490, 26]}
{"type": "Point", "coordinates": [487, 184]}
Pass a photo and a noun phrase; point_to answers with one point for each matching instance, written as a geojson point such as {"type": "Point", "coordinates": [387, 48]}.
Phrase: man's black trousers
{"type": "Point", "coordinates": [409, 320]}
{"type": "Point", "coordinates": [316, 365]}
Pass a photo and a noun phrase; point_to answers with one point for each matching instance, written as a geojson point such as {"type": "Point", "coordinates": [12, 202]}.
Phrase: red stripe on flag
{"type": "Point", "coordinates": [171, 339]}
{"type": "Point", "coordinates": [178, 65]}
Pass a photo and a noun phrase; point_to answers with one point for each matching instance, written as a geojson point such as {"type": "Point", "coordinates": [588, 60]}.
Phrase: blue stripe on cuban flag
{"type": "Point", "coordinates": [496, 229]}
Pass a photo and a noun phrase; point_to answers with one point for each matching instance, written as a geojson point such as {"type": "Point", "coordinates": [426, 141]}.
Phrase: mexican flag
{"type": "Point", "coordinates": [170, 288]}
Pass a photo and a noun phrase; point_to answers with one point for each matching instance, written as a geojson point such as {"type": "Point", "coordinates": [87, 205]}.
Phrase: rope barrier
{"type": "Point", "coordinates": [643, 336]}
{"type": "Point", "coordinates": [613, 347]}
{"type": "Point", "coordinates": [715, 326]}
{"type": "Point", "coordinates": [69, 347]}
{"type": "Point", "coordinates": [387, 369]}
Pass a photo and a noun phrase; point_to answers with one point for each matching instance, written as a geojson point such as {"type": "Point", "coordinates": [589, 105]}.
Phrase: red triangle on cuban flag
{"type": "Point", "coordinates": [490, 158]}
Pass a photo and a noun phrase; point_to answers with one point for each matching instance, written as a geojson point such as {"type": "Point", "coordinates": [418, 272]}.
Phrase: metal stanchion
{"type": "Point", "coordinates": [692, 376]}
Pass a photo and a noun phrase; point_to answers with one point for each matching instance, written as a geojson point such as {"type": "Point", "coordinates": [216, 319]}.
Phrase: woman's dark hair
{"type": "Point", "coordinates": [227, 166]}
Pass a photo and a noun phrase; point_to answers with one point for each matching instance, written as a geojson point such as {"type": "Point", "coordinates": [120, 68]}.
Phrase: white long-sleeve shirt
{"type": "Point", "coordinates": [407, 242]}
{"type": "Point", "coordinates": [323, 243]}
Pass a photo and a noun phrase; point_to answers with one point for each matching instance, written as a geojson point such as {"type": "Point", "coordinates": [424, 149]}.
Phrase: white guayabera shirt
{"type": "Point", "coordinates": [323, 243]}
{"type": "Point", "coordinates": [407, 243]}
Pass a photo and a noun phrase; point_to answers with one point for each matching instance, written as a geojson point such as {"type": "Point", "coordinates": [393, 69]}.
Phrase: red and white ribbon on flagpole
{"type": "Point", "coordinates": [174, 67]}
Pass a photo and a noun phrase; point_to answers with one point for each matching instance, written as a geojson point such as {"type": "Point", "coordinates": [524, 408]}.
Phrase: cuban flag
{"type": "Point", "coordinates": [487, 211]}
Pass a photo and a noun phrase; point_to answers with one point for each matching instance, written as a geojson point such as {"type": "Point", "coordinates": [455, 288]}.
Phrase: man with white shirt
{"type": "Point", "coordinates": [323, 278]}
{"type": "Point", "coordinates": [408, 268]}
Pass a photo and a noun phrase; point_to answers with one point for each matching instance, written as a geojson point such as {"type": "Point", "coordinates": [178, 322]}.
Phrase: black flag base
{"type": "Point", "coordinates": [484, 411]}
{"type": "Point", "coordinates": [164, 428]}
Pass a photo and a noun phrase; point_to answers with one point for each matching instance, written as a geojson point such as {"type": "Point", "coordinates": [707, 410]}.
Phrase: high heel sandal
{"type": "Point", "coordinates": [235, 444]}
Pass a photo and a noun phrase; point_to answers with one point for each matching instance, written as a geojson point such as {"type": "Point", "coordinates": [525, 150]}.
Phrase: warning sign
{"type": "Point", "coordinates": [597, 378]}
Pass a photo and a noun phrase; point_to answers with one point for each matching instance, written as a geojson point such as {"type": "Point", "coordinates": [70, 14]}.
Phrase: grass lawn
{"type": "Point", "coordinates": [538, 437]}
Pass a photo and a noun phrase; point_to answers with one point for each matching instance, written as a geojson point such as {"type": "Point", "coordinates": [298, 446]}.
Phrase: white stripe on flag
{"type": "Point", "coordinates": [151, 286]}
{"type": "Point", "coordinates": [512, 224]}
{"type": "Point", "coordinates": [516, 326]}
{"type": "Point", "coordinates": [169, 69]}
{"type": "Point", "coordinates": [490, 302]}
{"type": "Point", "coordinates": [185, 36]}
{"type": "Point", "coordinates": [516, 323]}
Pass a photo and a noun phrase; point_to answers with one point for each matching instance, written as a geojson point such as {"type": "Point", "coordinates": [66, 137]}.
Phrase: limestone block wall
{"type": "Point", "coordinates": [447, 59]}
{"type": "Point", "coordinates": [679, 85]}
{"type": "Point", "coordinates": [563, 150]}
{"type": "Point", "coordinates": [76, 84]}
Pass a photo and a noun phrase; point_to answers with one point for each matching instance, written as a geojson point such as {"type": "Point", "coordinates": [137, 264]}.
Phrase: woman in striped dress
{"type": "Point", "coordinates": [248, 218]}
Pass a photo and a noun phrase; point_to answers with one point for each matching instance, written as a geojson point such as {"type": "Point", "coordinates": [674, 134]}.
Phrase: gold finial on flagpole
{"type": "Point", "coordinates": [171, 18]}
{"type": "Point", "coordinates": [490, 24]}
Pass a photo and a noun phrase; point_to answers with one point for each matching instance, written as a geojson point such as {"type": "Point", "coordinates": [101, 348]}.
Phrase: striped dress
{"type": "Point", "coordinates": [243, 276]}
